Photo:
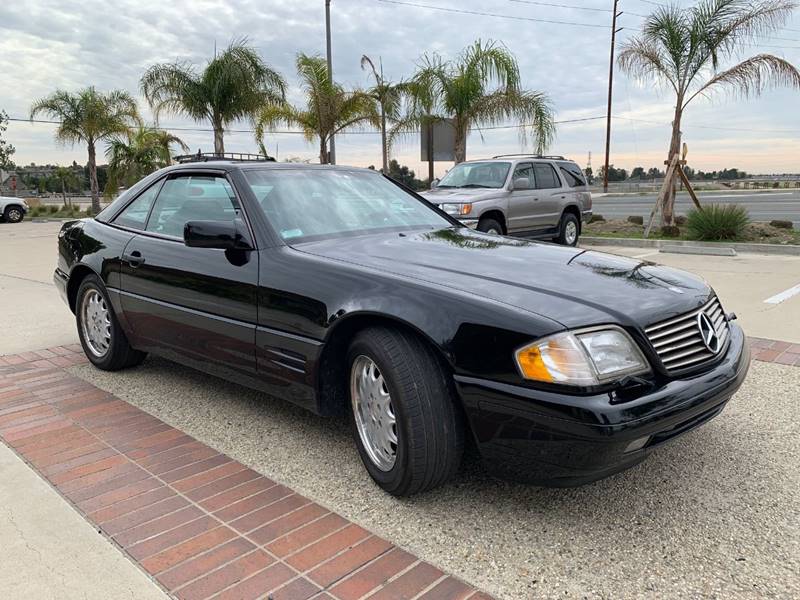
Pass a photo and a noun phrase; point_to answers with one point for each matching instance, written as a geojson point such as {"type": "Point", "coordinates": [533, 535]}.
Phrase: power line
{"type": "Point", "coordinates": [487, 14]}
{"type": "Point", "coordinates": [605, 10]}
{"type": "Point", "coordinates": [489, 128]}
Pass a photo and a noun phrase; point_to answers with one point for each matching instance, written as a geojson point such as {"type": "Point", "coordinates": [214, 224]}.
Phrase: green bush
{"type": "Point", "coordinates": [782, 224]}
{"type": "Point", "coordinates": [597, 219]}
{"type": "Point", "coordinates": [636, 220]}
{"type": "Point", "coordinates": [717, 222]}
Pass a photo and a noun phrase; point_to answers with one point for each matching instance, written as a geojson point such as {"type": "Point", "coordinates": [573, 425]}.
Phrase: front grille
{"type": "Point", "coordinates": [679, 341]}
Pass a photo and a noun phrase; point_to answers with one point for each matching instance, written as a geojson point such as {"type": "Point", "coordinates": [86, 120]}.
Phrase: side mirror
{"type": "Point", "coordinates": [434, 184]}
{"type": "Point", "coordinates": [521, 183]}
{"type": "Point", "coordinates": [223, 235]}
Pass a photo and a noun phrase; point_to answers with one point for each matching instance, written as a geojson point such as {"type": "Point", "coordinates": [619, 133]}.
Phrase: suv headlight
{"type": "Point", "coordinates": [457, 210]}
{"type": "Point", "coordinates": [581, 358]}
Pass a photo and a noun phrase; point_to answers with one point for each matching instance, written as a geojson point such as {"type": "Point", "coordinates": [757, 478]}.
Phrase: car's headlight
{"type": "Point", "coordinates": [457, 210]}
{"type": "Point", "coordinates": [581, 358]}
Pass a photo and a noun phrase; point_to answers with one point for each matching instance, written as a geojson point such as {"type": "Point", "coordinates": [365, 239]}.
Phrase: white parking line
{"type": "Point", "coordinates": [645, 255]}
{"type": "Point", "coordinates": [783, 296]}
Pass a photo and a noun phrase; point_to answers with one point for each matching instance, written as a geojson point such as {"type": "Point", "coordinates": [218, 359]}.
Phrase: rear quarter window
{"type": "Point", "coordinates": [572, 174]}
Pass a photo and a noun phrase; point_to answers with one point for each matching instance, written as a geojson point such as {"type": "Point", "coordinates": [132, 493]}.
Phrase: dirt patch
{"type": "Point", "coordinates": [761, 233]}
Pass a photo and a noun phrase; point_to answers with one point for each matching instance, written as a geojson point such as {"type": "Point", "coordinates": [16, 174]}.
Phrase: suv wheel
{"type": "Point", "coordinates": [13, 214]}
{"type": "Point", "coordinates": [407, 428]}
{"type": "Point", "coordinates": [103, 340]}
{"type": "Point", "coordinates": [569, 230]}
{"type": "Point", "coordinates": [490, 226]}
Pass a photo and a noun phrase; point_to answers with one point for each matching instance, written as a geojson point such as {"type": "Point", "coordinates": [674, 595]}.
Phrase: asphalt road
{"type": "Point", "coordinates": [765, 206]}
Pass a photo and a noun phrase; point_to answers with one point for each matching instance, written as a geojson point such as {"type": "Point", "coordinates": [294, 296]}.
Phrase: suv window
{"type": "Point", "coordinates": [135, 214]}
{"type": "Point", "coordinates": [192, 198]}
{"type": "Point", "coordinates": [524, 170]}
{"type": "Point", "coordinates": [546, 177]}
{"type": "Point", "coordinates": [572, 174]}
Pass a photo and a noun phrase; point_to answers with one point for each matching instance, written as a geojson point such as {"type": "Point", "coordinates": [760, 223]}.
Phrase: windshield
{"type": "Point", "coordinates": [476, 175]}
{"type": "Point", "coordinates": [305, 204]}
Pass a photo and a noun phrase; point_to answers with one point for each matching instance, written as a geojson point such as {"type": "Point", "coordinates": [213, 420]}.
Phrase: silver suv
{"type": "Point", "coordinates": [543, 197]}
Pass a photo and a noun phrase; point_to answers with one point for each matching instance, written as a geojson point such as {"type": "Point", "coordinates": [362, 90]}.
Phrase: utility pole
{"type": "Point", "coordinates": [610, 93]}
{"type": "Point", "coordinates": [332, 152]}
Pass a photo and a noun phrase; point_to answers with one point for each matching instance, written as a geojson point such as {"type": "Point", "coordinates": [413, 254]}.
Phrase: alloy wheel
{"type": "Point", "coordinates": [571, 233]}
{"type": "Point", "coordinates": [373, 412]}
{"type": "Point", "coordinates": [96, 323]}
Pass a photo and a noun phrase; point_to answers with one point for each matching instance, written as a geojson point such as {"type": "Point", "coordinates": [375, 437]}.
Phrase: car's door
{"type": "Point", "coordinates": [522, 203]}
{"type": "Point", "coordinates": [195, 305]}
{"type": "Point", "coordinates": [551, 196]}
{"type": "Point", "coordinates": [577, 190]}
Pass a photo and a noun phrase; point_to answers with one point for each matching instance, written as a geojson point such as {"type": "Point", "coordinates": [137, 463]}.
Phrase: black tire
{"type": "Point", "coordinates": [564, 236]}
{"type": "Point", "coordinates": [487, 225]}
{"type": "Point", "coordinates": [429, 425]}
{"type": "Point", "coordinates": [13, 214]}
{"type": "Point", "coordinates": [119, 354]}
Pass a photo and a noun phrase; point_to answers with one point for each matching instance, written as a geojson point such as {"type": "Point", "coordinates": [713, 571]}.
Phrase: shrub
{"type": "Point", "coordinates": [53, 208]}
{"type": "Point", "coordinates": [680, 220]}
{"type": "Point", "coordinates": [718, 222]}
{"type": "Point", "coordinates": [636, 220]}
{"type": "Point", "coordinates": [782, 224]}
{"type": "Point", "coordinates": [597, 219]}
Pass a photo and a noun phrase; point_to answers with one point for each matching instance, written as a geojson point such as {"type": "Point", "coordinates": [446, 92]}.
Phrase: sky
{"type": "Point", "coordinates": [50, 44]}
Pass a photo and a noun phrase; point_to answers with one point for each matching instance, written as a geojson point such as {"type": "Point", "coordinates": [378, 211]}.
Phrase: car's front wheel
{"type": "Point", "coordinates": [407, 428]}
{"type": "Point", "coordinates": [103, 340]}
{"type": "Point", "coordinates": [491, 226]}
{"type": "Point", "coordinates": [13, 214]}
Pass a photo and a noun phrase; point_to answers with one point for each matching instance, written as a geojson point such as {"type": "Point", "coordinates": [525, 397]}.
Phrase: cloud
{"type": "Point", "coordinates": [49, 44]}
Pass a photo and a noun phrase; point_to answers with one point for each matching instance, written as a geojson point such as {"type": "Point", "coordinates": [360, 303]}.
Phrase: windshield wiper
{"type": "Point", "coordinates": [477, 185]}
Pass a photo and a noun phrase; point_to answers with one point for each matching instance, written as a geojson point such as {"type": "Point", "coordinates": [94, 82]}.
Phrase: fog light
{"type": "Point", "coordinates": [637, 444]}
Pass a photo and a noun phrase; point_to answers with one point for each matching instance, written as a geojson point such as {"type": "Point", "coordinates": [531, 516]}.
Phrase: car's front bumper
{"type": "Point", "coordinates": [60, 279]}
{"type": "Point", "coordinates": [563, 440]}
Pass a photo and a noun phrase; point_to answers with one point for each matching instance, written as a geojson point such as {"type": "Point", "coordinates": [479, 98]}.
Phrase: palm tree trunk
{"type": "Point", "coordinates": [384, 147]}
{"type": "Point", "coordinates": [93, 185]}
{"type": "Point", "coordinates": [323, 151]}
{"type": "Point", "coordinates": [461, 141]}
{"type": "Point", "coordinates": [219, 139]}
{"type": "Point", "coordinates": [674, 148]}
{"type": "Point", "coordinates": [64, 192]}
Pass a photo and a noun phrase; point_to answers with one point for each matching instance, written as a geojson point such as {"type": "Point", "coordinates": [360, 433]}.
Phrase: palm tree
{"type": "Point", "coordinates": [481, 87]}
{"type": "Point", "coordinates": [68, 179]}
{"type": "Point", "coordinates": [234, 85]}
{"type": "Point", "coordinates": [90, 117]}
{"type": "Point", "coordinates": [388, 97]}
{"type": "Point", "coordinates": [330, 108]}
{"type": "Point", "coordinates": [683, 48]}
{"type": "Point", "coordinates": [137, 154]}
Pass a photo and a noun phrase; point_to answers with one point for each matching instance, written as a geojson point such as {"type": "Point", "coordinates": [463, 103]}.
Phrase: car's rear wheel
{"type": "Point", "coordinates": [492, 226]}
{"type": "Point", "coordinates": [101, 336]}
{"type": "Point", "coordinates": [13, 214]}
{"type": "Point", "coordinates": [407, 428]}
{"type": "Point", "coordinates": [569, 230]}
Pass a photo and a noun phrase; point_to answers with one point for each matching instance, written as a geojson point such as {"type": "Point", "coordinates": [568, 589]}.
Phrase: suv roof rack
{"type": "Point", "coordinates": [523, 155]}
{"type": "Point", "coordinates": [212, 156]}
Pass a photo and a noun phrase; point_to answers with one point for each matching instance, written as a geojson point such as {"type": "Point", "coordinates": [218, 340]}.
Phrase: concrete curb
{"type": "Point", "coordinates": [775, 249]}
{"type": "Point", "coordinates": [700, 250]}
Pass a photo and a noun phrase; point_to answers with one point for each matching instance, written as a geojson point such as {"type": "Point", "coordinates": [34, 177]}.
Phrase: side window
{"type": "Point", "coordinates": [572, 174]}
{"type": "Point", "coordinates": [546, 177]}
{"type": "Point", "coordinates": [135, 214]}
{"type": "Point", "coordinates": [192, 198]}
{"type": "Point", "coordinates": [524, 170]}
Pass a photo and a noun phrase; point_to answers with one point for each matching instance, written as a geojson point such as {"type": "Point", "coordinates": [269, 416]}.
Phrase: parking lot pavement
{"type": "Point", "coordinates": [31, 312]}
{"type": "Point", "coordinates": [714, 514]}
{"type": "Point", "coordinates": [744, 283]}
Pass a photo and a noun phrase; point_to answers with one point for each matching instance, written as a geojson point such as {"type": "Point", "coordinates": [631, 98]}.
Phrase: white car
{"type": "Point", "coordinates": [13, 210]}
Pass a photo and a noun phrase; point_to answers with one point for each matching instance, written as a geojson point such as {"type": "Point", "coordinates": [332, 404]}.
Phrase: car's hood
{"type": "Point", "coordinates": [460, 195]}
{"type": "Point", "coordinates": [572, 286]}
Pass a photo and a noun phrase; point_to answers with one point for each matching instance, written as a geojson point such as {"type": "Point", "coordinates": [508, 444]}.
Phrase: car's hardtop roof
{"type": "Point", "coordinates": [520, 158]}
{"type": "Point", "coordinates": [234, 165]}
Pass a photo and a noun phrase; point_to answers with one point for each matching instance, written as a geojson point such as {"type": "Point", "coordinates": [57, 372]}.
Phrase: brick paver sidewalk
{"type": "Point", "coordinates": [202, 524]}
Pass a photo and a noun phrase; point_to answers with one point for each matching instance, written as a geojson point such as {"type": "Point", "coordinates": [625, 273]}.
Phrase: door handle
{"type": "Point", "coordinates": [134, 259]}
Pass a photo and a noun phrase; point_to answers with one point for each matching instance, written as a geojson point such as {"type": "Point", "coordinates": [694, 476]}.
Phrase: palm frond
{"type": "Point", "coordinates": [753, 76]}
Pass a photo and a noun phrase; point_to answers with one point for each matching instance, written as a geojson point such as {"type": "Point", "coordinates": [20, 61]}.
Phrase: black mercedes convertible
{"type": "Point", "coordinates": [340, 290]}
